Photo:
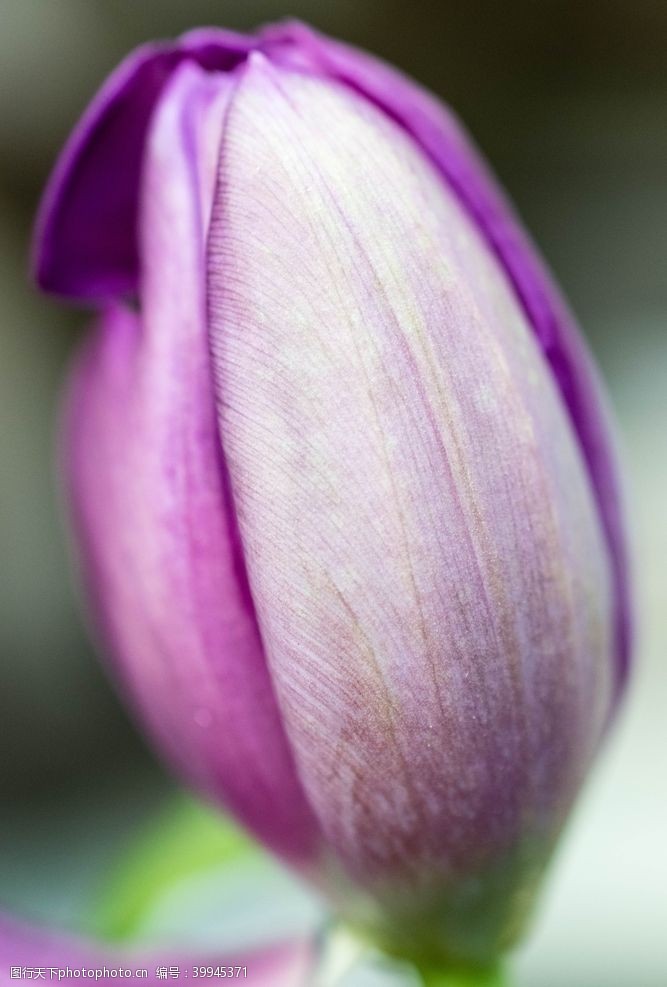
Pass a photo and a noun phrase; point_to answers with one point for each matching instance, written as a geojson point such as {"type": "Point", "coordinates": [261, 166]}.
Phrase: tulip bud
{"type": "Point", "coordinates": [341, 479]}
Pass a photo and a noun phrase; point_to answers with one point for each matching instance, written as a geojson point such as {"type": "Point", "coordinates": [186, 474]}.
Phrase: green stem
{"type": "Point", "coordinates": [345, 950]}
{"type": "Point", "coordinates": [491, 977]}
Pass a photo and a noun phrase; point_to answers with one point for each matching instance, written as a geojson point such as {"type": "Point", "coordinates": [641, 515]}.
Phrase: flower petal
{"type": "Point", "coordinates": [442, 137]}
{"type": "Point", "coordinates": [151, 500]}
{"type": "Point", "coordinates": [424, 552]}
{"type": "Point", "coordinates": [86, 238]}
{"type": "Point", "coordinates": [25, 948]}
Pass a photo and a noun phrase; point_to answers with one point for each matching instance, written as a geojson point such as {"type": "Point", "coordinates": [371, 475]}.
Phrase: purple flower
{"type": "Point", "coordinates": [341, 475]}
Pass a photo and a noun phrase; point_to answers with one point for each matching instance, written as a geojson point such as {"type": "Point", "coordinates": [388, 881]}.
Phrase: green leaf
{"type": "Point", "coordinates": [187, 839]}
{"type": "Point", "coordinates": [195, 877]}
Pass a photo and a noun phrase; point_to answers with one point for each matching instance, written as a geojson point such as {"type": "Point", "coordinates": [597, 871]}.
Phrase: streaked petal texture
{"type": "Point", "coordinates": [443, 139]}
{"type": "Point", "coordinates": [416, 516]}
{"type": "Point", "coordinates": [159, 543]}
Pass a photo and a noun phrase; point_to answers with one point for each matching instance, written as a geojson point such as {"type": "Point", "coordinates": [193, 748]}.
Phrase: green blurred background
{"type": "Point", "coordinates": [569, 103]}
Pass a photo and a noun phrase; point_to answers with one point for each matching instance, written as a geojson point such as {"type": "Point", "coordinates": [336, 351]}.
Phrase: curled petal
{"type": "Point", "coordinates": [86, 244]}
{"type": "Point", "coordinates": [152, 512]}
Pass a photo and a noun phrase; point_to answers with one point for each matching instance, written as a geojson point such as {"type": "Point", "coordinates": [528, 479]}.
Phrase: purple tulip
{"type": "Point", "coordinates": [341, 475]}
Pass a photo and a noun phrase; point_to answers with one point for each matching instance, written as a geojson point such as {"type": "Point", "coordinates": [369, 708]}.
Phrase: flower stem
{"type": "Point", "coordinates": [489, 977]}
{"type": "Point", "coordinates": [345, 951]}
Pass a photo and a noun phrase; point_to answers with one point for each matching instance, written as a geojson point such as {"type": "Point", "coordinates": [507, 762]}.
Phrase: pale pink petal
{"type": "Point", "coordinates": [31, 953]}
{"type": "Point", "coordinates": [444, 140]}
{"type": "Point", "coordinates": [423, 546]}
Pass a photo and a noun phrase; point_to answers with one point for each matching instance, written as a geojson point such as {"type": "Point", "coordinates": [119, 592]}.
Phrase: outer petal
{"type": "Point", "coordinates": [25, 949]}
{"type": "Point", "coordinates": [424, 552]}
{"type": "Point", "coordinates": [151, 501]}
{"type": "Point", "coordinates": [444, 140]}
{"type": "Point", "coordinates": [86, 242]}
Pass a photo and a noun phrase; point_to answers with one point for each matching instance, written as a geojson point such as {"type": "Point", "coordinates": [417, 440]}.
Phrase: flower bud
{"type": "Point", "coordinates": [341, 479]}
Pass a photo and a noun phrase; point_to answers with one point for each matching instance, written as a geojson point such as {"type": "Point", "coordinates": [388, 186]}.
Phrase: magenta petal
{"type": "Point", "coordinates": [26, 948]}
{"type": "Point", "coordinates": [86, 240]}
{"type": "Point", "coordinates": [152, 508]}
{"type": "Point", "coordinates": [443, 138]}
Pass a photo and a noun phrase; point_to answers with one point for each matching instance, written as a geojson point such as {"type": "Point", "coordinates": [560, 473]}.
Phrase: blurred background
{"type": "Point", "coordinates": [569, 103]}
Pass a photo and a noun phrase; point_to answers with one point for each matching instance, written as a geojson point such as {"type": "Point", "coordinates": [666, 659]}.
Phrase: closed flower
{"type": "Point", "coordinates": [340, 476]}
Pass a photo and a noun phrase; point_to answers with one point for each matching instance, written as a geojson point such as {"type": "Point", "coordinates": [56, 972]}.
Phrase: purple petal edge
{"type": "Point", "coordinates": [86, 245]}
{"type": "Point", "coordinates": [445, 141]}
